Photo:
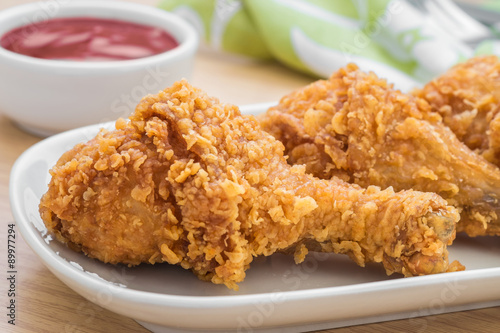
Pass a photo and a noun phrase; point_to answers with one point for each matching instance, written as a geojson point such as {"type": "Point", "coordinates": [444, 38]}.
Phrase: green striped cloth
{"type": "Point", "coordinates": [491, 5]}
{"type": "Point", "coordinates": [389, 37]}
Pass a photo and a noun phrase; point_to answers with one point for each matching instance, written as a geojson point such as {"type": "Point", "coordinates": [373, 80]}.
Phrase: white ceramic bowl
{"type": "Point", "coordinates": [50, 96]}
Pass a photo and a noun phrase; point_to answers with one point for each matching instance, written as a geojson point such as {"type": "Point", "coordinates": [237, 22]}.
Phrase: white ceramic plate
{"type": "Point", "coordinates": [325, 291]}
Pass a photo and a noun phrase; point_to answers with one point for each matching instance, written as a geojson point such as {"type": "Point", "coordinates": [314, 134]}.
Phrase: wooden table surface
{"type": "Point", "coordinates": [44, 304]}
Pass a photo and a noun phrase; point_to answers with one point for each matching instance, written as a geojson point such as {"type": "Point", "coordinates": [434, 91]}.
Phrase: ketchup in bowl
{"type": "Point", "coordinates": [88, 39]}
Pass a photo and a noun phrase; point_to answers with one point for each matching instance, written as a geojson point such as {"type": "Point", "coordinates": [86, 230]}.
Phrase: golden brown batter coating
{"type": "Point", "coordinates": [468, 99]}
{"type": "Point", "coordinates": [191, 181]}
{"type": "Point", "coordinates": [357, 127]}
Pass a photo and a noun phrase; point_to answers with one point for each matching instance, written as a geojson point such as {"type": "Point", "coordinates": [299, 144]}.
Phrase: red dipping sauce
{"type": "Point", "coordinates": [88, 39]}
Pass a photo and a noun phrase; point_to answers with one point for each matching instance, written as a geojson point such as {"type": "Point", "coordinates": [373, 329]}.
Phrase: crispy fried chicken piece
{"type": "Point", "coordinates": [357, 127]}
{"type": "Point", "coordinates": [191, 181]}
{"type": "Point", "coordinates": [468, 99]}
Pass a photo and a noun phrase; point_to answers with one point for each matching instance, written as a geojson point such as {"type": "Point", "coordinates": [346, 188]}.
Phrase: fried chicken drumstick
{"type": "Point", "coordinates": [468, 99]}
{"type": "Point", "coordinates": [190, 181]}
{"type": "Point", "coordinates": [357, 127]}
